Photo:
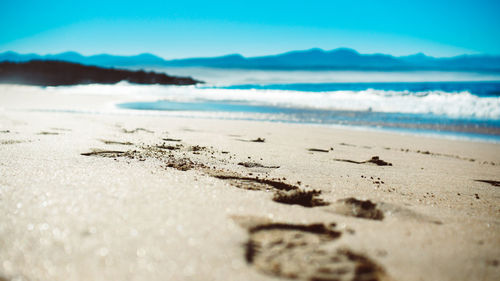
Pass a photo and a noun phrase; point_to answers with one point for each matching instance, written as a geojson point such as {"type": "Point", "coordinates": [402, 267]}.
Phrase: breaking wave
{"type": "Point", "coordinates": [460, 105]}
{"type": "Point", "coordinates": [455, 105]}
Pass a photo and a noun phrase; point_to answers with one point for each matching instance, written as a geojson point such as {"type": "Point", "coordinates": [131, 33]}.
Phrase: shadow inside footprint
{"type": "Point", "coordinates": [304, 252]}
{"type": "Point", "coordinates": [353, 207]}
{"type": "Point", "coordinates": [250, 183]}
{"type": "Point", "coordinates": [284, 193]}
{"type": "Point", "coordinates": [367, 209]}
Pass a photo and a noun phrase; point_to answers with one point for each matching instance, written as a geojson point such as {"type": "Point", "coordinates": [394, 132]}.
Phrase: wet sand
{"type": "Point", "coordinates": [118, 197]}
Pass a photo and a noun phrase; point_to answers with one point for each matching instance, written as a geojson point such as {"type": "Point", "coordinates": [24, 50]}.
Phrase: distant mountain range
{"type": "Point", "coordinates": [313, 59]}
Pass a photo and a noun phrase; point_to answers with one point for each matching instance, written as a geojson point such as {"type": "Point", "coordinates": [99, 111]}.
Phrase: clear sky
{"type": "Point", "coordinates": [176, 29]}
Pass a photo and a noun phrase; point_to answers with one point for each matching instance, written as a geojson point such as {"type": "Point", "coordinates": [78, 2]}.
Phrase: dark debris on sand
{"type": "Point", "coordinates": [169, 147]}
{"type": "Point", "coordinates": [47, 133]}
{"type": "Point", "coordinates": [170, 139]}
{"type": "Point", "coordinates": [116, 142]}
{"type": "Point", "coordinates": [136, 130]}
{"type": "Point", "coordinates": [319, 150]}
{"type": "Point", "coordinates": [256, 165]}
{"type": "Point", "coordinates": [493, 183]}
{"type": "Point", "coordinates": [259, 140]}
{"type": "Point", "coordinates": [316, 228]}
{"type": "Point", "coordinates": [183, 164]}
{"type": "Point", "coordinates": [254, 140]}
{"type": "Point", "coordinates": [104, 153]}
{"type": "Point", "coordinates": [303, 198]}
{"type": "Point", "coordinates": [379, 162]}
{"type": "Point", "coordinates": [196, 148]}
{"type": "Point", "coordinates": [2, 142]}
{"type": "Point", "coordinates": [374, 160]}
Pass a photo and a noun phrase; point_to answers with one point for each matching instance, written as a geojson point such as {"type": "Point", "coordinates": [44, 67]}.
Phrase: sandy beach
{"type": "Point", "coordinates": [87, 195]}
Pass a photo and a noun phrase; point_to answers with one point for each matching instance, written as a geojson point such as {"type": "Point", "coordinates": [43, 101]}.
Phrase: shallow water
{"type": "Point", "coordinates": [468, 109]}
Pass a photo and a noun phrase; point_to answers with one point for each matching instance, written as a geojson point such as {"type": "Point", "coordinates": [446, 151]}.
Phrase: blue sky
{"type": "Point", "coordinates": [175, 29]}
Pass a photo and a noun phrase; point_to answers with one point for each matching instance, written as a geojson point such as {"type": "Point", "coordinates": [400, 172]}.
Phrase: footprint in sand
{"type": "Point", "coordinates": [251, 183]}
{"type": "Point", "coordinates": [160, 152]}
{"type": "Point", "coordinates": [357, 208]}
{"type": "Point", "coordinates": [173, 157]}
{"type": "Point", "coordinates": [304, 252]}
{"type": "Point", "coordinates": [283, 192]}
{"type": "Point", "coordinates": [367, 209]}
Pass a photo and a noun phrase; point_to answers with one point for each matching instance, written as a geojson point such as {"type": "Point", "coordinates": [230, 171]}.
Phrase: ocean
{"type": "Point", "coordinates": [453, 109]}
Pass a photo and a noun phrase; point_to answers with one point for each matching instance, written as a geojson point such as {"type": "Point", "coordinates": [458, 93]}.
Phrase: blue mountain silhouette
{"type": "Point", "coordinates": [313, 59]}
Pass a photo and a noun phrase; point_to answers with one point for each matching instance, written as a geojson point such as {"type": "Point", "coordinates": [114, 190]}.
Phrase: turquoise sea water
{"type": "Point", "coordinates": [461, 109]}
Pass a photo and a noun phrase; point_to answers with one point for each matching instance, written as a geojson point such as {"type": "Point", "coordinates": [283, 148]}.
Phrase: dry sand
{"type": "Point", "coordinates": [123, 197]}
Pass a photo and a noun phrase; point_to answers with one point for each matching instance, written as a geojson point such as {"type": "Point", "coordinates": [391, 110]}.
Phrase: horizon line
{"type": "Point", "coordinates": [257, 56]}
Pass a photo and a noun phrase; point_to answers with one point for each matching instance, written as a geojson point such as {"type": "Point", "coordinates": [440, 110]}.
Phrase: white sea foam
{"type": "Point", "coordinates": [454, 105]}
{"type": "Point", "coordinates": [463, 104]}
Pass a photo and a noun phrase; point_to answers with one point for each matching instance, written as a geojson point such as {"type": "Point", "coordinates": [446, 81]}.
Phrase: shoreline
{"type": "Point", "coordinates": [103, 102]}
{"type": "Point", "coordinates": [412, 132]}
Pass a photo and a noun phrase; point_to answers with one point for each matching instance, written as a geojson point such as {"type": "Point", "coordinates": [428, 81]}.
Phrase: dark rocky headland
{"type": "Point", "coordinates": [58, 73]}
